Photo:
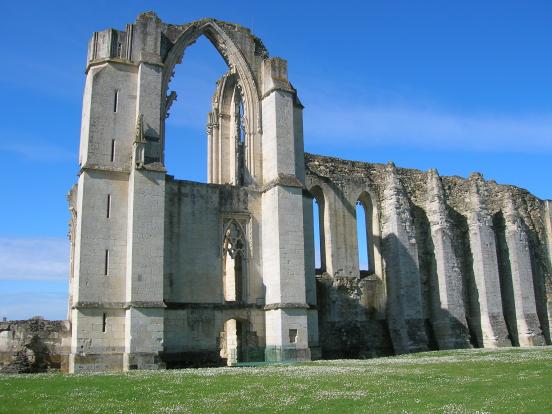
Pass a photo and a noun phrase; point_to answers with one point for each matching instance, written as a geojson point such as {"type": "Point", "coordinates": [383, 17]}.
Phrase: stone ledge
{"type": "Point", "coordinates": [117, 305]}
{"type": "Point", "coordinates": [153, 166]}
{"type": "Point", "coordinates": [283, 180]}
{"type": "Point", "coordinates": [276, 306]}
{"type": "Point", "coordinates": [216, 306]}
{"type": "Point", "coordinates": [102, 61]}
{"type": "Point", "coordinates": [282, 87]}
{"type": "Point", "coordinates": [105, 168]}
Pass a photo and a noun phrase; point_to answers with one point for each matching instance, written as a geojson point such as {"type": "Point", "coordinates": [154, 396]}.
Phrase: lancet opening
{"type": "Point", "coordinates": [233, 123]}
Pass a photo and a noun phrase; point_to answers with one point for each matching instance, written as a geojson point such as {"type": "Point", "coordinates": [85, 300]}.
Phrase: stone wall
{"type": "Point", "coordinates": [34, 345]}
{"type": "Point", "coordinates": [459, 262]}
{"type": "Point", "coordinates": [198, 307]}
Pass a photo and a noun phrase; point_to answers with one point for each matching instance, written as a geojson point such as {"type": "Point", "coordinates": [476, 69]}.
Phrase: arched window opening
{"type": "Point", "coordinates": [189, 101]}
{"type": "Point", "coordinates": [233, 263]}
{"type": "Point", "coordinates": [239, 138]}
{"type": "Point", "coordinates": [241, 145]}
{"type": "Point", "coordinates": [227, 134]}
{"type": "Point", "coordinates": [362, 239]}
{"type": "Point", "coordinates": [367, 235]}
{"type": "Point", "coordinates": [318, 227]}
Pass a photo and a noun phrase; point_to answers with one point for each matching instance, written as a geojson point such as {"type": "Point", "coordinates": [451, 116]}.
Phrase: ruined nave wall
{"type": "Point", "coordinates": [456, 262]}
{"type": "Point", "coordinates": [194, 289]}
{"type": "Point", "coordinates": [34, 345]}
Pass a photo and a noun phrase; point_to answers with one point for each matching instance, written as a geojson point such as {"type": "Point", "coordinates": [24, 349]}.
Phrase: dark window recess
{"type": "Point", "coordinates": [116, 101]}
{"type": "Point", "coordinates": [292, 336]}
{"type": "Point", "coordinates": [106, 267]}
{"type": "Point", "coordinates": [112, 150]}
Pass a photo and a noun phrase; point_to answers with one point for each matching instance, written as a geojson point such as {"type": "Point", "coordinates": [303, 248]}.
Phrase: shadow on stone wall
{"type": "Point", "coordinates": [542, 281]}
{"type": "Point", "coordinates": [505, 274]}
{"type": "Point", "coordinates": [462, 251]}
{"type": "Point", "coordinates": [429, 284]}
{"type": "Point", "coordinates": [33, 345]}
{"type": "Point", "coordinates": [349, 327]}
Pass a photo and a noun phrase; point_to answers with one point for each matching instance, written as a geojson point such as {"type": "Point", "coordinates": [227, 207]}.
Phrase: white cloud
{"type": "Point", "coordinates": [34, 259]}
{"type": "Point", "coordinates": [372, 126]}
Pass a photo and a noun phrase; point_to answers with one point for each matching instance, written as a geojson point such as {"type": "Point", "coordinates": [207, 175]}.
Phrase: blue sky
{"type": "Point", "coordinates": [459, 85]}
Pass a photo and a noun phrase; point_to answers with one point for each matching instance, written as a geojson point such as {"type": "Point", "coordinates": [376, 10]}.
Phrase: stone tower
{"type": "Point", "coordinates": [165, 270]}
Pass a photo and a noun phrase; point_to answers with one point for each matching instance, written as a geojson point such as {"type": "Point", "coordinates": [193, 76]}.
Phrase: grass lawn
{"type": "Point", "coordinates": [467, 381]}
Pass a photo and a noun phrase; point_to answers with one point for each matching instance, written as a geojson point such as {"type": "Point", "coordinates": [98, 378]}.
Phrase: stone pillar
{"type": "Point", "coordinates": [448, 316]}
{"type": "Point", "coordinates": [212, 147]}
{"type": "Point", "coordinates": [209, 149]}
{"type": "Point", "coordinates": [527, 321]}
{"type": "Point", "coordinates": [547, 294]}
{"type": "Point", "coordinates": [308, 228]}
{"type": "Point", "coordinates": [493, 332]}
{"type": "Point", "coordinates": [283, 246]}
{"type": "Point", "coordinates": [145, 237]}
{"type": "Point", "coordinates": [404, 311]}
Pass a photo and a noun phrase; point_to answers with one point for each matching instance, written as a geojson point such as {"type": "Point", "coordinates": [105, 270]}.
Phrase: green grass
{"type": "Point", "coordinates": [468, 381]}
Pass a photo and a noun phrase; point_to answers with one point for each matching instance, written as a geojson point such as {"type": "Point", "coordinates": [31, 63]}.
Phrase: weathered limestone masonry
{"type": "Point", "coordinates": [524, 322]}
{"type": "Point", "coordinates": [170, 273]}
{"type": "Point", "coordinates": [400, 253]}
{"type": "Point", "coordinates": [447, 311]}
{"type": "Point", "coordinates": [489, 323]}
{"type": "Point", "coordinates": [464, 262]}
{"type": "Point", "coordinates": [34, 345]}
{"type": "Point", "coordinates": [174, 273]}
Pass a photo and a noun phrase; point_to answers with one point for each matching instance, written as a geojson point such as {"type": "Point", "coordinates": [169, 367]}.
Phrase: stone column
{"type": "Point", "coordinates": [527, 321]}
{"type": "Point", "coordinates": [308, 228]}
{"type": "Point", "coordinates": [212, 146]}
{"type": "Point", "coordinates": [448, 316]}
{"type": "Point", "coordinates": [548, 228]}
{"type": "Point", "coordinates": [209, 149]}
{"type": "Point", "coordinates": [485, 268]}
{"type": "Point", "coordinates": [145, 232]}
{"type": "Point", "coordinates": [404, 311]}
{"type": "Point", "coordinates": [283, 255]}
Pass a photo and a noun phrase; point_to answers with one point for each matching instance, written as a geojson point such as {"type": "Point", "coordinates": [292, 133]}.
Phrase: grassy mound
{"type": "Point", "coordinates": [466, 381]}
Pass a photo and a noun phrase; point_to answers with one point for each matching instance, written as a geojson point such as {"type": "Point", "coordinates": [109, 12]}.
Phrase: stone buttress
{"type": "Point", "coordinates": [491, 326]}
{"type": "Point", "coordinates": [447, 312]}
{"type": "Point", "coordinates": [524, 323]}
{"type": "Point", "coordinates": [283, 237]}
{"type": "Point", "coordinates": [400, 252]}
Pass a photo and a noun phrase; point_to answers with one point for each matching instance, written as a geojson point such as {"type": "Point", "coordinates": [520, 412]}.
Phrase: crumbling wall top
{"type": "Point", "coordinates": [150, 39]}
{"type": "Point", "coordinates": [340, 171]}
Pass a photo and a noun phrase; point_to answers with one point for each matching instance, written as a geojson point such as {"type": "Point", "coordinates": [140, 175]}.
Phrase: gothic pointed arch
{"type": "Point", "coordinates": [234, 249]}
{"type": "Point", "coordinates": [226, 131]}
{"type": "Point", "coordinates": [321, 222]}
{"type": "Point", "coordinates": [247, 82]}
{"type": "Point", "coordinates": [367, 201]}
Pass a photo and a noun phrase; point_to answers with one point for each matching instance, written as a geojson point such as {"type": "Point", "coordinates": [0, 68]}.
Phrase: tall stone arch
{"type": "Point", "coordinates": [239, 67]}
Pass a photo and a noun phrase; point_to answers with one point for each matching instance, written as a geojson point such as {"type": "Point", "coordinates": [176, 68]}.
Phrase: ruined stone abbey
{"type": "Point", "coordinates": [173, 273]}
